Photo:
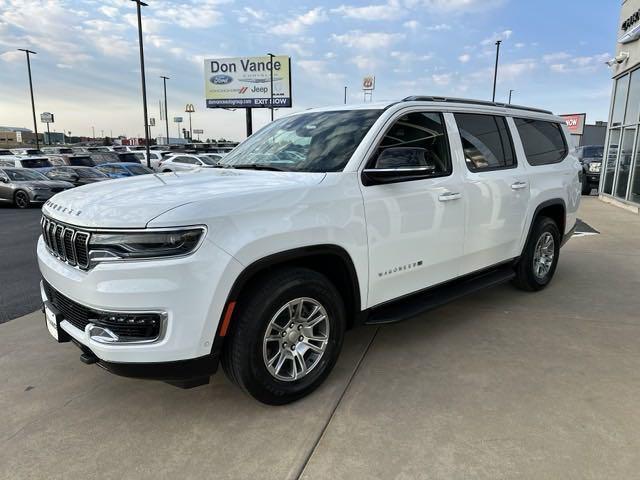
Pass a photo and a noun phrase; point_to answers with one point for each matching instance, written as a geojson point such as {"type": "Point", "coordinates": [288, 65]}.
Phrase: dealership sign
{"type": "Point", "coordinates": [245, 82]}
{"type": "Point", "coordinates": [631, 28]}
{"type": "Point", "coordinates": [575, 122]}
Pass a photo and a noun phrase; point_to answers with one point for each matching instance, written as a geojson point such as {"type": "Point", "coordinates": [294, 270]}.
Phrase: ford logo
{"type": "Point", "coordinates": [221, 79]}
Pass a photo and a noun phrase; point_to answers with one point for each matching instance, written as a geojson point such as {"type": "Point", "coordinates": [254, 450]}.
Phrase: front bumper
{"type": "Point", "coordinates": [38, 196]}
{"type": "Point", "coordinates": [190, 292]}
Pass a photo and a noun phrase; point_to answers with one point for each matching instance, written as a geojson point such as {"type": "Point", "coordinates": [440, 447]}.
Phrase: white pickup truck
{"type": "Point", "coordinates": [321, 221]}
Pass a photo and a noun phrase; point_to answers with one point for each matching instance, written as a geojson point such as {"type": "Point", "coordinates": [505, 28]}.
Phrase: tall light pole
{"type": "Point", "coordinates": [33, 104]}
{"type": "Point", "coordinates": [271, 55]}
{"type": "Point", "coordinates": [510, 92]}
{"type": "Point", "coordinates": [495, 71]}
{"type": "Point", "coordinates": [139, 4]}
{"type": "Point", "coordinates": [345, 95]}
{"type": "Point", "coordinates": [166, 114]}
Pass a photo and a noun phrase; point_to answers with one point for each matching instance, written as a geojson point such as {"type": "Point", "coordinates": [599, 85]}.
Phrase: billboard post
{"type": "Point", "coordinates": [248, 82]}
{"type": "Point", "coordinates": [47, 118]}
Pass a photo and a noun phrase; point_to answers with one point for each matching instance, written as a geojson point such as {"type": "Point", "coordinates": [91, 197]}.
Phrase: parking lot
{"type": "Point", "coordinates": [502, 384]}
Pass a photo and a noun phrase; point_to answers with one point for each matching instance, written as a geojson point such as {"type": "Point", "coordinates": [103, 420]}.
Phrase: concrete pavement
{"type": "Point", "coordinates": [502, 384]}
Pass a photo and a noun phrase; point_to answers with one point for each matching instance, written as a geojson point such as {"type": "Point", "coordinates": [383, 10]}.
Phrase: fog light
{"type": "Point", "coordinates": [101, 334]}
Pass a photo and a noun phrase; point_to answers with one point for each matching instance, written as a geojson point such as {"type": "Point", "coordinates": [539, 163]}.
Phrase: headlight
{"type": "Point", "coordinates": [38, 189]}
{"type": "Point", "coordinates": [104, 246]}
{"type": "Point", "coordinates": [595, 167]}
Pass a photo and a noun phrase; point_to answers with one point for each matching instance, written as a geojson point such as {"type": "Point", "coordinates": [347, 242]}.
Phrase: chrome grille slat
{"type": "Point", "coordinates": [69, 244]}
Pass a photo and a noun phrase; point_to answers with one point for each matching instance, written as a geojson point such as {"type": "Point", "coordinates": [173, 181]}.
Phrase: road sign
{"type": "Point", "coordinates": [152, 122]}
{"type": "Point", "coordinates": [198, 131]}
{"type": "Point", "coordinates": [46, 117]}
{"type": "Point", "coordinates": [177, 119]}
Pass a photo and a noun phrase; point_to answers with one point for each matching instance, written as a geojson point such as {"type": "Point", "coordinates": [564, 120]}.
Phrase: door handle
{"type": "Point", "coordinates": [448, 196]}
{"type": "Point", "coordinates": [518, 185]}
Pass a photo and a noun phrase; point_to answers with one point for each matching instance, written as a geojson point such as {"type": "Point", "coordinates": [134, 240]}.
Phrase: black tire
{"type": "Point", "coordinates": [166, 171]}
{"type": "Point", "coordinates": [586, 188]}
{"type": "Point", "coordinates": [21, 199]}
{"type": "Point", "coordinates": [526, 277]}
{"type": "Point", "coordinates": [242, 357]}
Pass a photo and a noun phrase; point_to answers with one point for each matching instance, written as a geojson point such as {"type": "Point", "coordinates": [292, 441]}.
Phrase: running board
{"type": "Point", "coordinates": [415, 304]}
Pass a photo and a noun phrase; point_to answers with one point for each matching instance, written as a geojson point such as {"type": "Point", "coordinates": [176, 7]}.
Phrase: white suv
{"type": "Point", "coordinates": [322, 221]}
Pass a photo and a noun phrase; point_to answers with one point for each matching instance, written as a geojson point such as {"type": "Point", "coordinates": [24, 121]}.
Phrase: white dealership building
{"type": "Point", "coordinates": [620, 178]}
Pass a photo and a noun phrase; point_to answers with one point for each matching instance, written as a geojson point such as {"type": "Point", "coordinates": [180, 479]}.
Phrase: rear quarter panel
{"type": "Point", "coordinates": [551, 182]}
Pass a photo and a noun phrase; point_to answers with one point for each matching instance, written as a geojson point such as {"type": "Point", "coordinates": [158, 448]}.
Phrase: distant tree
{"type": "Point", "coordinates": [107, 142]}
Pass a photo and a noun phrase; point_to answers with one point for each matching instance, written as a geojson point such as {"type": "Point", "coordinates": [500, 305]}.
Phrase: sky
{"type": "Point", "coordinates": [87, 69]}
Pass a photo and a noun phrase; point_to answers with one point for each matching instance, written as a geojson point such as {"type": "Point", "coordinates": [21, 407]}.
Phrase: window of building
{"type": "Point", "coordinates": [611, 157]}
{"type": "Point", "coordinates": [619, 100]}
{"type": "Point", "coordinates": [419, 139]}
{"type": "Point", "coordinates": [624, 162]}
{"type": "Point", "coordinates": [485, 141]}
{"type": "Point", "coordinates": [633, 100]}
{"type": "Point", "coordinates": [543, 142]}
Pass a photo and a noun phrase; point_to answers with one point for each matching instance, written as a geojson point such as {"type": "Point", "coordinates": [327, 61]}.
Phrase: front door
{"type": "Point", "coordinates": [415, 227]}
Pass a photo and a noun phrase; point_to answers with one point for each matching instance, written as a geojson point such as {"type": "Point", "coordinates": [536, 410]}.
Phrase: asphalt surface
{"type": "Point", "coordinates": [500, 385]}
{"type": "Point", "coordinates": [19, 275]}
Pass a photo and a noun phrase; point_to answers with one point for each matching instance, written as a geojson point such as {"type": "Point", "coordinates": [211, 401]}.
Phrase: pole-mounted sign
{"type": "Point", "coordinates": [46, 117]}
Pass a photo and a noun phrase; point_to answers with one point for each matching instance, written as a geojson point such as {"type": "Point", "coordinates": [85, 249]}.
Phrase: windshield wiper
{"type": "Point", "coordinates": [258, 166]}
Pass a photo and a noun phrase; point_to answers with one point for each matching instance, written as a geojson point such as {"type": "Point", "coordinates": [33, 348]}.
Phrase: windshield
{"type": "Point", "coordinates": [208, 160]}
{"type": "Point", "coordinates": [22, 175]}
{"type": "Point", "coordinates": [138, 169]}
{"type": "Point", "coordinates": [593, 152]}
{"type": "Point", "coordinates": [88, 172]}
{"type": "Point", "coordinates": [36, 163]}
{"type": "Point", "coordinates": [309, 142]}
{"type": "Point", "coordinates": [65, 150]}
{"type": "Point", "coordinates": [81, 161]}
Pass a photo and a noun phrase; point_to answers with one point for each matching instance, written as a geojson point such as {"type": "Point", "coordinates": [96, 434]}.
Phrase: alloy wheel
{"type": "Point", "coordinates": [22, 200]}
{"type": "Point", "coordinates": [296, 339]}
{"type": "Point", "coordinates": [543, 255]}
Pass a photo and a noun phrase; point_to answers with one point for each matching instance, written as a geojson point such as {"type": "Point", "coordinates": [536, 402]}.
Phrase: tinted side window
{"type": "Point", "coordinates": [543, 142]}
{"type": "Point", "coordinates": [421, 139]}
{"type": "Point", "coordinates": [485, 141]}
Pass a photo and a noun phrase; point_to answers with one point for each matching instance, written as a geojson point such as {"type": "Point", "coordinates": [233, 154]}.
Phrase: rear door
{"type": "Point", "coordinates": [496, 190]}
{"type": "Point", "coordinates": [415, 227]}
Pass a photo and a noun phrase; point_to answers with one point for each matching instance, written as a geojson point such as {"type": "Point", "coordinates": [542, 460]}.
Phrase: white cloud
{"type": "Point", "coordinates": [367, 40]}
{"type": "Point", "coordinates": [555, 57]}
{"type": "Point", "coordinates": [455, 6]}
{"type": "Point", "coordinates": [441, 79]}
{"type": "Point", "coordinates": [190, 17]}
{"type": "Point", "coordinates": [519, 45]}
{"type": "Point", "coordinates": [317, 69]}
{"type": "Point", "coordinates": [63, 66]}
{"type": "Point", "coordinates": [411, 24]}
{"type": "Point", "coordinates": [410, 57]}
{"type": "Point", "coordinates": [391, 10]}
{"type": "Point", "coordinates": [12, 56]}
{"type": "Point", "coordinates": [504, 35]}
{"type": "Point", "coordinates": [298, 24]}
{"type": "Point", "coordinates": [111, 12]}
{"type": "Point", "coordinates": [368, 63]}
{"type": "Point", "coordinates": [440, 27]}
{"type": "Point", "coordinates": [296, 48]}
{"type": "Point", "coordinates": [510, 71]}
{"type": "Point", "coordinates": [464, 58]}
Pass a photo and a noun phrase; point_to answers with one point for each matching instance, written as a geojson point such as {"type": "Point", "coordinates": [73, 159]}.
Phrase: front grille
{"type": "Point", "coordinates": [67, 243]}
{"type": "Point", "coordinates": [128, 326]}
{"type": "Point", "coordinates": [57, 189]}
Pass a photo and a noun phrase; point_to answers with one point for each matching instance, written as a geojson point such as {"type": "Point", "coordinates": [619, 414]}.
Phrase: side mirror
{"type": "Point", "coordinates": [399, 164]}
{"type": "Point", "coordinates": [4, 180]}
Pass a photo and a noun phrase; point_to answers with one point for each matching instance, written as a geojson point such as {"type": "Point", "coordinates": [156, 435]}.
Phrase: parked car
{"type": "Point", "coordinates": [74, 159]}
{"type": "Point", "coordinates": [57, 150]}
{"type": "Point", "coordinates": [124, 169]}
{"type": "Point", "coordinates": [184, 161]}
{"type": "Point", "coordinates": [156, 157]}
{"type": "Point", "coordinates": [100, 158]}
{"type": "Point", "coordinates": [4, 152]}
{"type": "Point", "coordinates": [22, 187]}
{"type": "Point", "coordinates": [26, 151]}
{"type": "Point", "coordinates": [590, 157]}
{"type": "Point", "coordinates": [394, 209]}
{"type": "Point", "coordinates": [21, 161]}
{"type": "Point", "coordinates": [76, 175]}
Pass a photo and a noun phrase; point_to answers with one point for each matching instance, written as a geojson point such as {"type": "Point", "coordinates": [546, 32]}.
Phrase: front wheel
{"type": "Point", "coordinates": [21, 199]}
{"type": "Point", "coordinates": [539, 259]}
{"type": "Point", "coordinates": [286, 335]}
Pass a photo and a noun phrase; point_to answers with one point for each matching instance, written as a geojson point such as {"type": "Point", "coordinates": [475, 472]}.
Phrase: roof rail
{"type": "Point", "coordinates": [420, 98]}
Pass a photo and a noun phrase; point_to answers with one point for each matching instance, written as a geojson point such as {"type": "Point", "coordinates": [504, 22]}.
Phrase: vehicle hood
{"type": "Point", "coordinates": [132, 202]}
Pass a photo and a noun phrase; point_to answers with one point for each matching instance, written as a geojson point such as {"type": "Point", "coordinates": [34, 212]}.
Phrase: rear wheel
{"type": "Point", "coordinates": [286, 336]}
{"type": "Point", "coordinates": [539, 260]}
{"type": "Point", "coordinates": [21, 199]}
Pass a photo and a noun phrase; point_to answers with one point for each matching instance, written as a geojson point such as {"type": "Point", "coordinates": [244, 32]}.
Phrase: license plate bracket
{"type": "Point", "coordinates": [52, 319]}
